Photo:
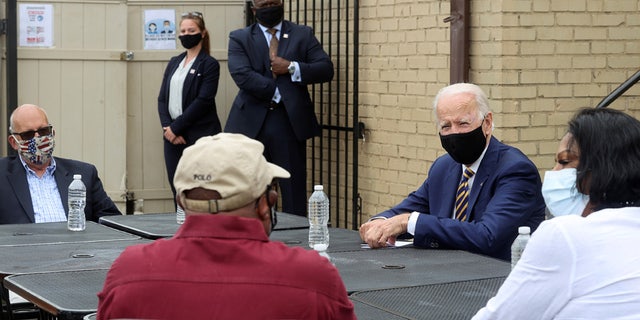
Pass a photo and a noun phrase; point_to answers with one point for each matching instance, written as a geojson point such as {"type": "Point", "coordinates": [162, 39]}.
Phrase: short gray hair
{"type": "Point", "coordinates": [481, 98]}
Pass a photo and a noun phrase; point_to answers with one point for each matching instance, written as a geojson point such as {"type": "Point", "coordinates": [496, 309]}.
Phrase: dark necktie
{"type": "Point", "coordinates": [273, 45]}
{"type": "Point", "coordinates": [462, 195]}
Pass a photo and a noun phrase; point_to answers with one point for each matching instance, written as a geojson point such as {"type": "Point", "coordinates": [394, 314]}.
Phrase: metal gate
{"type": "Point", "coordinates": [333, 156]}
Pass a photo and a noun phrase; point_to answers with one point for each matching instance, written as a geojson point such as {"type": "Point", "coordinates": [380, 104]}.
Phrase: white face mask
{"type": "Point", "coordinates": [560, 193]}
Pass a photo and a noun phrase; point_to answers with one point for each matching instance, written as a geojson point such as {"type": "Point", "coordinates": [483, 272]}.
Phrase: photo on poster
{"type": "Point", "coordinates": [159, 29]}
{"type": "Point", "coordinates": [36, 25]}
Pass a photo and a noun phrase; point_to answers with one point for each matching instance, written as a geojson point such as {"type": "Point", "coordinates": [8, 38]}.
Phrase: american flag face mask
{"type": "Point", "coordinates": [37, 150]}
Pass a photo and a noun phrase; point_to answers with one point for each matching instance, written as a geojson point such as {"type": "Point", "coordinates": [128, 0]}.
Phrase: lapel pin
{"type": "Point", "coordinates": [286, 36]}
{"type": "Point", "coordinates": [192, 71]}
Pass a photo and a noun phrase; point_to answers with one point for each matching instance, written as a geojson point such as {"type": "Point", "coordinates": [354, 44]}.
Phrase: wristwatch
{"type": "Point", "coordinates": [292, 67]}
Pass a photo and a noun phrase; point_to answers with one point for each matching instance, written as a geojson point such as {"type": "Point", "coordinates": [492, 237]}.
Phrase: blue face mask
{"type": "Point", "coordinates": [560, 193]}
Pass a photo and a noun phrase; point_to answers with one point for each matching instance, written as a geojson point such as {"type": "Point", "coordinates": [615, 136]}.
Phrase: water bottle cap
{"type": "Point", "coordinates": [524, 230]}
{"type": "Point", "coordinates": [320, 247]}
{"type": "Point", "coordinates": [318, 187]}
{"type": "Point", "coordinates": [77, 176]}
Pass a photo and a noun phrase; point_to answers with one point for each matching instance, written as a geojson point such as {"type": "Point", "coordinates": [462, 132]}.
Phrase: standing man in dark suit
{"type": "Point", "coordinates": [478, 211]}
{"type": "Point", "coordinates": [273, 104]}
{"type": "Point", "coordinates": [34, 184]}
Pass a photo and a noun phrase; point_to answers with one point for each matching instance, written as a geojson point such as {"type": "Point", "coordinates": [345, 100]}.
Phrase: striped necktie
{"type": "Point", "coordinates": [462, 195]}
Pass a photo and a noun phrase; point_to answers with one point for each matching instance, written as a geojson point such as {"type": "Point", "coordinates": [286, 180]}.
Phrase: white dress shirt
{"type": "Point", "coordinates": [175, 89]}
{"type": "Point", "coordinates": [45, 197]}
{"type": "Point", "coordinates": [575, 268]}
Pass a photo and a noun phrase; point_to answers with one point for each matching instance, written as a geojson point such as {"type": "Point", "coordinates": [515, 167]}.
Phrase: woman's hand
{"type": "Point", "coordinates": [171, 137]}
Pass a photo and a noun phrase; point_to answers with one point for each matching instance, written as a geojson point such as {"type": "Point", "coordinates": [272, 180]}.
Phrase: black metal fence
{"type": "Point", "coordinates": [333, 157]}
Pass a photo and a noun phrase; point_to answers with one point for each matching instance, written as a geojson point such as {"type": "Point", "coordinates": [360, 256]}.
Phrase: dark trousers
{"type": "Point", "coordinates": [172, 154]}
{"type": "Point", "coordinates": [285, 150]}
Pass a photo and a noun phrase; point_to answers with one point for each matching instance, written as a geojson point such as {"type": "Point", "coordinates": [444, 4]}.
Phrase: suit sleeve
{"type": "Point", "coordinates": [505, 202]}
{"type": "Point", "coordinates": [240, 53]}
{"type": "Point", "coordinates": [100, 203]}
{"type": "Point", "coordinates": [508, 199]}
{"type": "Point", "coordinates": [416, 201]}
{"type": "Point", "coordinates": [315, 66]}
{"type": "Point", "coordinates": [163, 96]}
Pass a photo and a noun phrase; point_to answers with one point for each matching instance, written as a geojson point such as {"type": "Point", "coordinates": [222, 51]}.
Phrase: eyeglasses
{"type": "Point", "coordinates": [274, 216]}
{"type": "Point", "coordinates": [192, 14]}
{"type": "Point", "coordinates": [28, 135]}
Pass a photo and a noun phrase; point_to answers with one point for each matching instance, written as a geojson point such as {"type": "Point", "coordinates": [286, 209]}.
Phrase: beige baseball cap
{"type": "Point", "coordinates": [229, 163]}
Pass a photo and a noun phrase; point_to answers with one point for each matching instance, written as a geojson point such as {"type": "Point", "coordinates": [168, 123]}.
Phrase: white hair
{"type": "Point", "coordinates": [481, 98]}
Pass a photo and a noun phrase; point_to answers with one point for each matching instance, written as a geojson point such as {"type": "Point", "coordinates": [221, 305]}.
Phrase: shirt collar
{"type": "Point", "coordinates": [277, 27]}
{"type": "Point", "coordinates": [474, 166]}
{"type": "Point", "coordinates": [222, 226]}
{"type": "Point", "coordinates": [50, 169]}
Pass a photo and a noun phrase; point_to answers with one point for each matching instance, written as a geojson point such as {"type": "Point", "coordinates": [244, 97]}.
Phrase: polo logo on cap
{"type": "Point", "coordinates": [202, 177]}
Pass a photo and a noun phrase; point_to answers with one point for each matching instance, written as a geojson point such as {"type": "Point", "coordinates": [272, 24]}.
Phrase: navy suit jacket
{"type": "Point", "coordinates": [249, 65]}
{"type": "Point", "coordinates": [15, 198]}
{"type": "Point", "coordinates": [199, 114]}
{"type": "Point", "coordinates": [506, 194]}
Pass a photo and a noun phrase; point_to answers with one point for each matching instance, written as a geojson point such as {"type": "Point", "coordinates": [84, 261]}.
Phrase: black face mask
{"type": "Point", "coordinates": [465, 148]}
{"type": "Point", "coordinates": [270, 16]}
{"type": "Point", "coordinates": [190, 40]}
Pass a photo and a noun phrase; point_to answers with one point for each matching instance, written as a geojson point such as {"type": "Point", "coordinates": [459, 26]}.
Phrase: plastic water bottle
{"type": "Point", "coordinates": [76, 220]}
{"type": "Point", "coordinates": [327, 256]}
{"type": "Point", "coordinates": [179, 215]}
{"type": "Point", "coordinates": [524, 233]}
{"type": "Point", "coordinates": [318, 219]}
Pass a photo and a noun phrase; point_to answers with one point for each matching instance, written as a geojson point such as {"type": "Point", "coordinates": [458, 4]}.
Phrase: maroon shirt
{"type": "Point", "coordinates": [222, 267]}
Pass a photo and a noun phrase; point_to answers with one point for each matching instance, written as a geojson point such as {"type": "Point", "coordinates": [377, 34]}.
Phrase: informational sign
{"type": "Point", "coordinates": [159, 29]}
{"type": "Point", "coordinates": [36, 25]}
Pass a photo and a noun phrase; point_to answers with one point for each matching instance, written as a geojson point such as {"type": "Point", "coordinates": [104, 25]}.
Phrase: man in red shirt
{"type": "Point", "coordinates": [221, 264]}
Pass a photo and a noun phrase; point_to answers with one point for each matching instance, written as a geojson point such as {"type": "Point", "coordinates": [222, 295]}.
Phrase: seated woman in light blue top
{"type": "Point", "coordinates": [585, 267]}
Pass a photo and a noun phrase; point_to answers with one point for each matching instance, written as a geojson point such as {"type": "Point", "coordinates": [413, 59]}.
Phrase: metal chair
{"type": "Point", "coordinates": [17, 311]}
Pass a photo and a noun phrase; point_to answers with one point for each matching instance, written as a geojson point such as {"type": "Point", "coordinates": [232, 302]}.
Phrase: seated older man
{"type": "Point", "coordinates": [221, 264]}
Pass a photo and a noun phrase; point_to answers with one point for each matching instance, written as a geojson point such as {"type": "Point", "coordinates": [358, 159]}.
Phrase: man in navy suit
{"type": "Point", "coordinates": [503, 186]}
{"type": "Point", "coordinates": [273, 104]}
{"type": "Point", "coordinates": [34, 184]}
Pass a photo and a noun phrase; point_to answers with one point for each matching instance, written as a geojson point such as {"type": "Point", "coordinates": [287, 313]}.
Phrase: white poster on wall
{"type": "Point", "coordinates": [159, 29]}
{"type": "Point", "coordinates": [36, 25]}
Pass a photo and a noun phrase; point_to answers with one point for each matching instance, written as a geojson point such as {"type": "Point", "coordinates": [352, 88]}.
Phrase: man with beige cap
{"type": "Point", "coordinates": [221, 264]}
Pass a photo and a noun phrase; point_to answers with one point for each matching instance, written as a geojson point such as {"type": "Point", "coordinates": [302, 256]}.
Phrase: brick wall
{"type": "Point", "coordinates": [539, 61]}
